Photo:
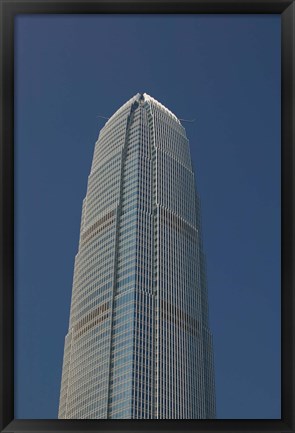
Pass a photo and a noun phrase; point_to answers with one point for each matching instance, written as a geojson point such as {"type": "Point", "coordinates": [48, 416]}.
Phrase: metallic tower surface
{"type": "Point", "coordinates": [139, 344]}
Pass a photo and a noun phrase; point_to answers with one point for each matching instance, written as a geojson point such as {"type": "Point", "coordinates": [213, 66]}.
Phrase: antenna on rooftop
{"type": "Point", "coordinates": [186, 120]}
{"type": "Point", "coordinates": [103, 117]}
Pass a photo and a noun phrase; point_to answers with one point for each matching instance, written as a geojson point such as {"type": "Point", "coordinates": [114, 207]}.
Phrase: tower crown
{"type": "Point", "coordinates": [144, 97]}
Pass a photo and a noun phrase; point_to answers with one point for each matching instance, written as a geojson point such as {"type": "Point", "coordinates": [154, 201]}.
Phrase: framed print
{"type": "Point", "coordinates": [147, 241]}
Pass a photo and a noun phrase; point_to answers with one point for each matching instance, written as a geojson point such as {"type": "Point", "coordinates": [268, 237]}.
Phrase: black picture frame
{"type": "Point", "coordinates": [9, 9]}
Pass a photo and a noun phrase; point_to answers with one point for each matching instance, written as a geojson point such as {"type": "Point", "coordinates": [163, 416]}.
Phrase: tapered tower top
{"type": "Point", "coordinates": [141, 98]}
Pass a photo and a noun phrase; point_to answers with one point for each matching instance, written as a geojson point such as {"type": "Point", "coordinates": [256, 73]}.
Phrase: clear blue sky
{"type": "Point", "coordinates": [224, 71]}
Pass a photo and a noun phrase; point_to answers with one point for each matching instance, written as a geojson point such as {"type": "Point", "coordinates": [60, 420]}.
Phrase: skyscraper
{"type": "Point", "coordinates": [139, 344]}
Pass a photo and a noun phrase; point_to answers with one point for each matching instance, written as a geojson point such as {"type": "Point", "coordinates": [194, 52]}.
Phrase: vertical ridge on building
{"type": "Point", "coordinates": [139, 344]}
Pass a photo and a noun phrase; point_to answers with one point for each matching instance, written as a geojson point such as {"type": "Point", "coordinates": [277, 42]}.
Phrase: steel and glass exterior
{"type": "Point", "coordinates": [139, 344]}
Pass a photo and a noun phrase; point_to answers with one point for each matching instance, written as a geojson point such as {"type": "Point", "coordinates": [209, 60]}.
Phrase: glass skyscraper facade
{"type": "Point", "coordinates": [139, 344]}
